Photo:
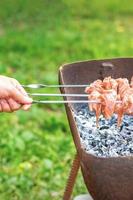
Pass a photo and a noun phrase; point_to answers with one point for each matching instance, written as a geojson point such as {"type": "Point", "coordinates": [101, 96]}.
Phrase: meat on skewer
{"type": "Point", "coordinates": [109, 96]}
{"type": "Point", "coordinates": [94, 91]}
{"type": "Point", "coordinates": [107, 92]}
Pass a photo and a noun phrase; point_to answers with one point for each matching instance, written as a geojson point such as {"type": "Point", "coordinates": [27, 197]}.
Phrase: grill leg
{"type": "Point", "coordinates": [72, 178]}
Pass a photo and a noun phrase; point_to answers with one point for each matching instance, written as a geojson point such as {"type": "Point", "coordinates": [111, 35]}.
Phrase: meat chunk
{"type": "Point", "coordinates": [108, 99]}
{"type": "Point", "coordinates": [96, 85]}
{"type": "Point", "coordinates": [126, 96]}
{"type": "Point", "coordinates": [109, 96]}
{"type": "Point", "coordinates": [96, 107]}
{"type": "Point", "coordinates": [94, 91]}
{"type": "Point", "coordinates": [110, 83]}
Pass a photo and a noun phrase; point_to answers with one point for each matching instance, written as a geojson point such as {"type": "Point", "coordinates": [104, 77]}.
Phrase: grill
{"type": "Point", "coordinates": [108, 178]}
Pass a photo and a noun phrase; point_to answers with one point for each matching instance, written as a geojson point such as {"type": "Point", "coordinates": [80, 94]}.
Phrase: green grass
{"type": "Point", "coordinates": [36, 37]}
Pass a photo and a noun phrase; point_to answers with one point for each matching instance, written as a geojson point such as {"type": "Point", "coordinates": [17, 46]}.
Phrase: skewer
{"type": "Point", "coordinates": [37, 86]}
{"type": "Point", "coordinates": [66, 101]}
{"type": "Point", "coordinates": [63, 101]}
{"type": "Point", "coordinates": [58, 95]}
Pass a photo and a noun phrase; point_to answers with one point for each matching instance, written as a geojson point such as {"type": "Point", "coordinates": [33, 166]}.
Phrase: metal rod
{"type": "Point", "coordinates": [66, 101]}
{"type": "Point", "coordinates": [63, 101]}
{"type": "Point", "coordinates": [36, 86]}
{"type": "Point", "coordinates": [58, 95]}
{"type": "Point", "coordinates": [72, 178]}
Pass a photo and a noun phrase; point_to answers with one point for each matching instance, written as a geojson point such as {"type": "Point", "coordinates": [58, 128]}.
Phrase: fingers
{"type": "Point", "coordinates": [19, 97]}
{"type": "Point", "coordinates": [12, 95]}
{"type": "Point", "coordinates": [4, 106]}
{"type": "Point", "coordinates": [23, 92]}
{"type": "Point", "coordinates": [26, 107]}
{"type": "Point", "coordinates": [14, 105]}
{"type": "Point", "coordinates": [11, 105]}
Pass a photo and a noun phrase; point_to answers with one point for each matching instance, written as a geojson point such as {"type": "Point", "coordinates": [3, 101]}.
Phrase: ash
{"type": "Point", "coordinates": [108, 140]}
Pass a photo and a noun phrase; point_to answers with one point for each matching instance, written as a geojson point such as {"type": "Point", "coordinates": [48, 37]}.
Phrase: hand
{"type": "Point", "coordinates": [12, 95]}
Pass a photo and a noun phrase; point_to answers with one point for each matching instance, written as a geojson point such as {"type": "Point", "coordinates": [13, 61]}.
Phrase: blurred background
{"type": "Point", "coordinates": [36, 37]}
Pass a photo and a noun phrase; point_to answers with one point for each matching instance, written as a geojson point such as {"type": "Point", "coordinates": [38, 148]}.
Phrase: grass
{"type": "Point", "coordinates": [36, 37]}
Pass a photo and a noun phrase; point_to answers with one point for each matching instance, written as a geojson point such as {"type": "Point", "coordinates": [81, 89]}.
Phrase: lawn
{"type": "Point", "coordinates": [36, 37]}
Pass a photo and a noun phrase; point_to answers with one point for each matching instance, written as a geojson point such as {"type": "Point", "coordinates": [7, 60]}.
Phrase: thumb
{"type": "Point", "coordinates": [20, 98]}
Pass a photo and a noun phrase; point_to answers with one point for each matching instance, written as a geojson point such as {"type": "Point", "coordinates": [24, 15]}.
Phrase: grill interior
{"type": "Point", "coordinates": [106, 178]}
{"type": "Point", "coordinates": [107, 140]}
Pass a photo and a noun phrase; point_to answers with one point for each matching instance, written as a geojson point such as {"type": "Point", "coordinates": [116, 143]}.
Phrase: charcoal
{"type": "Point", "coordinates": [103, 127]}
{"type": "Point", "coordinates": [106, 140]}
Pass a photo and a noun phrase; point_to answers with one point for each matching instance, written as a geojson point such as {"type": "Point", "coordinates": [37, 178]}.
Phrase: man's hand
{"type": "Point", "coordinates": [12, 95]}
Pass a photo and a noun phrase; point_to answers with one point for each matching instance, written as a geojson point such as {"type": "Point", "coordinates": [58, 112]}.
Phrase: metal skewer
{"type": "Point", "coordinates": [63, 101]}
{"type": "Point", "coordinates": [36, 86]}
{"type": "Point", "coordinates": [57, 95]}
{"type": "Point", "coordinates": [66, 101]}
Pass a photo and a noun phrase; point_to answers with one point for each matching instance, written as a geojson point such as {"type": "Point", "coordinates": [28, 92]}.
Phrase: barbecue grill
{"type": "Point", "coordinates": [105, 178]}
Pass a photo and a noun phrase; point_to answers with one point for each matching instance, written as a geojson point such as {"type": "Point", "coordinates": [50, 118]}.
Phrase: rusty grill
{"type": "Point", "coordinates": [106, 178]}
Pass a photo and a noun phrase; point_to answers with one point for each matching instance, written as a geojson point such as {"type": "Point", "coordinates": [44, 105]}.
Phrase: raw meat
{"type": "Point", "coordinates": [107, 93]}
